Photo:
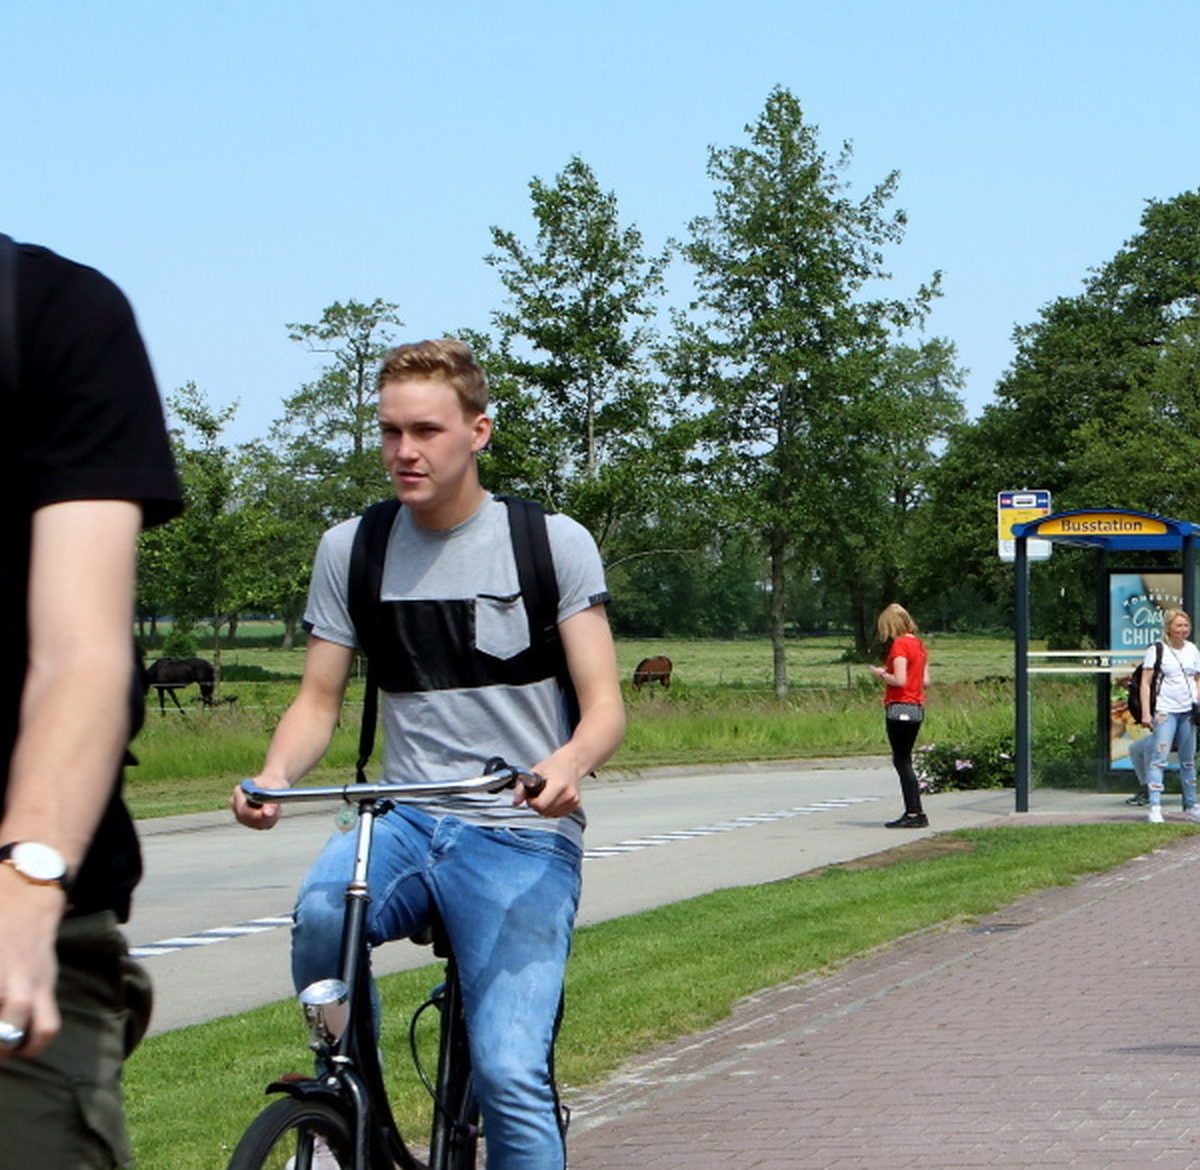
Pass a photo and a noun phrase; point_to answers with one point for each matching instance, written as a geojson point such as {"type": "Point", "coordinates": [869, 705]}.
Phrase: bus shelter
{"type": "Point", "coordinates": [1107, 531]}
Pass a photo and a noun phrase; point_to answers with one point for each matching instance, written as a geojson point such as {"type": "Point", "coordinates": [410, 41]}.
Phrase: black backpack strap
{"type": "Point", "coordinates": [535, 577]}
{"type": "Point", "coordinates": [362, 591]}
{"type": "Point", "coordinates": [10, 370]}
{"type": "Point", "coordinates": [1156, 675]}
{"type": "Point", "coordinates": [539, 588]}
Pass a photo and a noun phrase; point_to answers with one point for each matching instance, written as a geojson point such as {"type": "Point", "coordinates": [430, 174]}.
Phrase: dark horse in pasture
{"type": "Point", "coordinates": [168, 675]}
{"type": "Point", "coordinates": [652, 670]}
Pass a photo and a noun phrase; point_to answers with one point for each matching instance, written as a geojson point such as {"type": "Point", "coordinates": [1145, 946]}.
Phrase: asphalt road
{"type": "Point", "coordinates": [210, 917]}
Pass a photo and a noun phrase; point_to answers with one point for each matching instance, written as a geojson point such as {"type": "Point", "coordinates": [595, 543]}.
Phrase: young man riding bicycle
{"type": "Point", "coordinates": [503, 875]}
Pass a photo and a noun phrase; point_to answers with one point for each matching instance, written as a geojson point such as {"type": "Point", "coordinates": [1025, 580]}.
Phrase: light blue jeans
{"type": "Point", "coordinates": [508, 899]}
{"type": "Point", "coordinates": [1173, 727]}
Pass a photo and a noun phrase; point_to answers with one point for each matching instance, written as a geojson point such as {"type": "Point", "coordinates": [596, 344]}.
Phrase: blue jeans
{"type": "Point", "coordinates": [508, 898]}
{"type": "Point", "coordinates": [1177, 727]}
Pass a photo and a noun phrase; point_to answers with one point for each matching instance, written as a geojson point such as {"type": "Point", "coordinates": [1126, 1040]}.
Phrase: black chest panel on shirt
{"type": "Point", "coordinates": [419, 645]}
{"type": "Point", "coordinates": [435, 646]}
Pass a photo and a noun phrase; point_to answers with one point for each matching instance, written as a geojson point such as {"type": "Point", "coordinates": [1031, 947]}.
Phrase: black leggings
{"type": "Point", "coordinates": [902, 734]}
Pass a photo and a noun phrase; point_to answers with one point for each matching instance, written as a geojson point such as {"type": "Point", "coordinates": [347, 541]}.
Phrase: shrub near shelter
{"type": "Point", "coordinates": [956, 766]}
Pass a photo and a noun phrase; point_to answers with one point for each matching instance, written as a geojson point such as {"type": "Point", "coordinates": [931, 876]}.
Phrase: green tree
{"type": "Point", "coordinates": [211, 553]}
{"type": "Point", "coordinates": [789, 342]}
{"type": "Point", "coordinates": [911, 407]}
{"type": "Point", "coordinates": [574, 343]}
{"type": "Point", "coordinates": [1100, 407]}
{"type": "Point", "coordinates": [521, 456]}
{"type": "Point", "coordinates": [953, 546]}
{"type": "Point", "coordinates": [292, 513]}
{"type": "Point", "coordinates": [713, 591]}
{"type": "Point", "coordinates": [329, 431]}
{"type": "Point", "coordinates": [1152, 448]}
{"type": "Point", "coordinates": [155, 581]}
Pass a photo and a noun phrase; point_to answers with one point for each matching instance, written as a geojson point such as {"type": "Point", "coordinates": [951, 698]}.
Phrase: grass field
{"type": "Point", "coordinates": [719, 708]}
{"type": "Point", "coordinates": [744, 664]}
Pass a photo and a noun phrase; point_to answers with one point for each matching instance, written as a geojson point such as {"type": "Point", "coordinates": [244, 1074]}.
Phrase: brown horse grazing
{"type": "Point", "coordinates": [168, 675]}
{"type": "Point", "coordinates": [652, 670]}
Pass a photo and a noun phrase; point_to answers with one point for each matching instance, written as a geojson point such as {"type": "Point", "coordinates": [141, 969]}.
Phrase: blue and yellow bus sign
{"type": "Point", "coordinates": [1014, 508]}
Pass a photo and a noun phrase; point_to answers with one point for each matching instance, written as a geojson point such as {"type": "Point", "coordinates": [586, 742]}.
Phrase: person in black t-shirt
{"type": "Point", "coordinates": [84, 464]}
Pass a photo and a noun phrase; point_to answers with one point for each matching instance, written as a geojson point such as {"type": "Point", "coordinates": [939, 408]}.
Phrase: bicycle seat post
{"type": "Point", "coordinates": [455, 1130]}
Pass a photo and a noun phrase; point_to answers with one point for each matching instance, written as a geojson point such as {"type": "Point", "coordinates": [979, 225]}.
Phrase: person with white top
{"type": "Point", "coordinates": [1170, 716]}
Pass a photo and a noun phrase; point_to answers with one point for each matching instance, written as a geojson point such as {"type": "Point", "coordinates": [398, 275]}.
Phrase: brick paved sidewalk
{"type": "Point", "coordinates": [1061, 1031]}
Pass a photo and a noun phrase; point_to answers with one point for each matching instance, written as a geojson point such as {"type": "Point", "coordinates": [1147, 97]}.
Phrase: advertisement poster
{"type": "Point", "coordinates": [1137, 602]}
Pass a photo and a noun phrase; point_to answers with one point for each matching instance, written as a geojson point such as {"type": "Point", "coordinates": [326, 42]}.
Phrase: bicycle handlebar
{"type": "Point", "coordinates": [498, 777]}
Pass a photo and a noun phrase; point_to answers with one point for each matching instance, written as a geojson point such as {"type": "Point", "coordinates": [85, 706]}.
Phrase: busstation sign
{"type": "Point", "coordinates": [1102, 524]}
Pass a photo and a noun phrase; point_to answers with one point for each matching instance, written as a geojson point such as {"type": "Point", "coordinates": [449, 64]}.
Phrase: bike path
{"type": "Point", "coordinates": [1061, 1031]}
{"type": "Point", "coordinates": [210, 919]}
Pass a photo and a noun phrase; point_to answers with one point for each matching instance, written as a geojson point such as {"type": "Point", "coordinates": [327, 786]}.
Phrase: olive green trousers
{"type": "Point", "coordinates": [62, 1109]}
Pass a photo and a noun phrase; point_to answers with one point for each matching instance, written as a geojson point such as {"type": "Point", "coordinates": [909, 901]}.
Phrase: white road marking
{"type": "Point", "coordinates": [636, 843]}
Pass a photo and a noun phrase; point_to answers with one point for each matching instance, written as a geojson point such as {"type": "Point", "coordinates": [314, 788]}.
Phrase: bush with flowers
{"type": "Point", "coordinates": [1059, 761]}
{"type": "Point", "coordinates": [949, 766]}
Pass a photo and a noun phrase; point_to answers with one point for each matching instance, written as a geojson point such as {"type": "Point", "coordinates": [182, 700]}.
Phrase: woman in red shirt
{"type": "Point", "coordinates": [906, 674]}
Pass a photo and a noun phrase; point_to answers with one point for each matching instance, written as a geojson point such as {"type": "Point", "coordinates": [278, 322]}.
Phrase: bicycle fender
{"type": "Point", "coordinates": [305, 1088]}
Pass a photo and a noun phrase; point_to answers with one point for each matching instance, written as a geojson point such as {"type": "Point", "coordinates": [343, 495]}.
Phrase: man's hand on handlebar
{"type": "Point", "coordinates": [252, 814]}
{"type": "Point", "coordinates": [560, 795]}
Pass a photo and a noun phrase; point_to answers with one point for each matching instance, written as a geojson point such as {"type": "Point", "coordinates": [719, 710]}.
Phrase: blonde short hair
{"type": "Point", "coordinates": [893, 621]}
{"type": "Point", "coordinates": [447, 359]}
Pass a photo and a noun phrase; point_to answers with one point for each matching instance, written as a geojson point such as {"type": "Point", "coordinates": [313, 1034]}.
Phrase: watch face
{"type": "Point", "coordinates": [37, 861]}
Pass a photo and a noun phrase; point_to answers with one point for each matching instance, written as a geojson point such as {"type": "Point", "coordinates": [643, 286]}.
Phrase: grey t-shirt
{"type": "Point", "coordinates": [440, 734]}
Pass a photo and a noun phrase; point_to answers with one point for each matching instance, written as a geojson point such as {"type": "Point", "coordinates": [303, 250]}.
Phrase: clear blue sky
{"type": "Point", "coordinates": [239, 164]}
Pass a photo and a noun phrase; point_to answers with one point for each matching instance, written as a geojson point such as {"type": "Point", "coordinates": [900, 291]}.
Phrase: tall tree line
{"type": "Point", "coordinates": [789, 452]}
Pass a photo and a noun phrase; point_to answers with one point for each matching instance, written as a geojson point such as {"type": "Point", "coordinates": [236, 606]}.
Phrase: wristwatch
{"type": "Point", "coordinates": [38, 864]}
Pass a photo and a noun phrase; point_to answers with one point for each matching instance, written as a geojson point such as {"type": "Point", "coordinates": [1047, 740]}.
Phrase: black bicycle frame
{"type": "Point", "coordinates": [355, 1057]}
{"type": "Point", "coordinates": [348, 1066]}
{"type": "Point", "coordinates": [455, 1133]}
{"type": "Point", "coordinates": [353, 1060]}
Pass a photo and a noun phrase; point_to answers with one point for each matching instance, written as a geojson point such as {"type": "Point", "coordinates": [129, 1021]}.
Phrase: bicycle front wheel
{"type": "Point", "coordinates": [294, 1134]}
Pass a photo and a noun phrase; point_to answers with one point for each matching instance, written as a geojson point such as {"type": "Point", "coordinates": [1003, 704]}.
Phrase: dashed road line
{"type": "Point", "coordinates": [205, 938]}
{"type": "Point", "coordinates": [651, 839]}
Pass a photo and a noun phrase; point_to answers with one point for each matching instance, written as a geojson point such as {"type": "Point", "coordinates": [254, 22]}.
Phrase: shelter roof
{"type": "Point", "coordinates": [1113, 529]}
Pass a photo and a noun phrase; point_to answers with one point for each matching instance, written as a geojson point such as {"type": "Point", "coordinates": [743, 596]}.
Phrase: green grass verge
{"type": "Point", "coordinates": [639, 981]}
{"type": "Point", "coordinates": [190, 763]}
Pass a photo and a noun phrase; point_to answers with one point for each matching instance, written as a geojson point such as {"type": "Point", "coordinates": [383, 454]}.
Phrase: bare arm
{"type": "Point", "coordinates": [592, 662]}
{"type": "Point", "coordinates": [899, 673]}
{"type": "Point", "coordinates": [304, 732]}
{"type": "Point", "coordinates": [1147, 718]}
{"type": "Point", "coordinates": [74, 724]}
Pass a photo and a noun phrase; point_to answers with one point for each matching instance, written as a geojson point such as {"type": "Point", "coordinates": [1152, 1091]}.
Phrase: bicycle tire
{"type": "Point", "coordinates": [275, 1138]}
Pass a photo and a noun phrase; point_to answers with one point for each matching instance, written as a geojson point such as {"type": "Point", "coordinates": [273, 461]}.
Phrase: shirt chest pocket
{"type": "Point", "coordinates": [501, 625]}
